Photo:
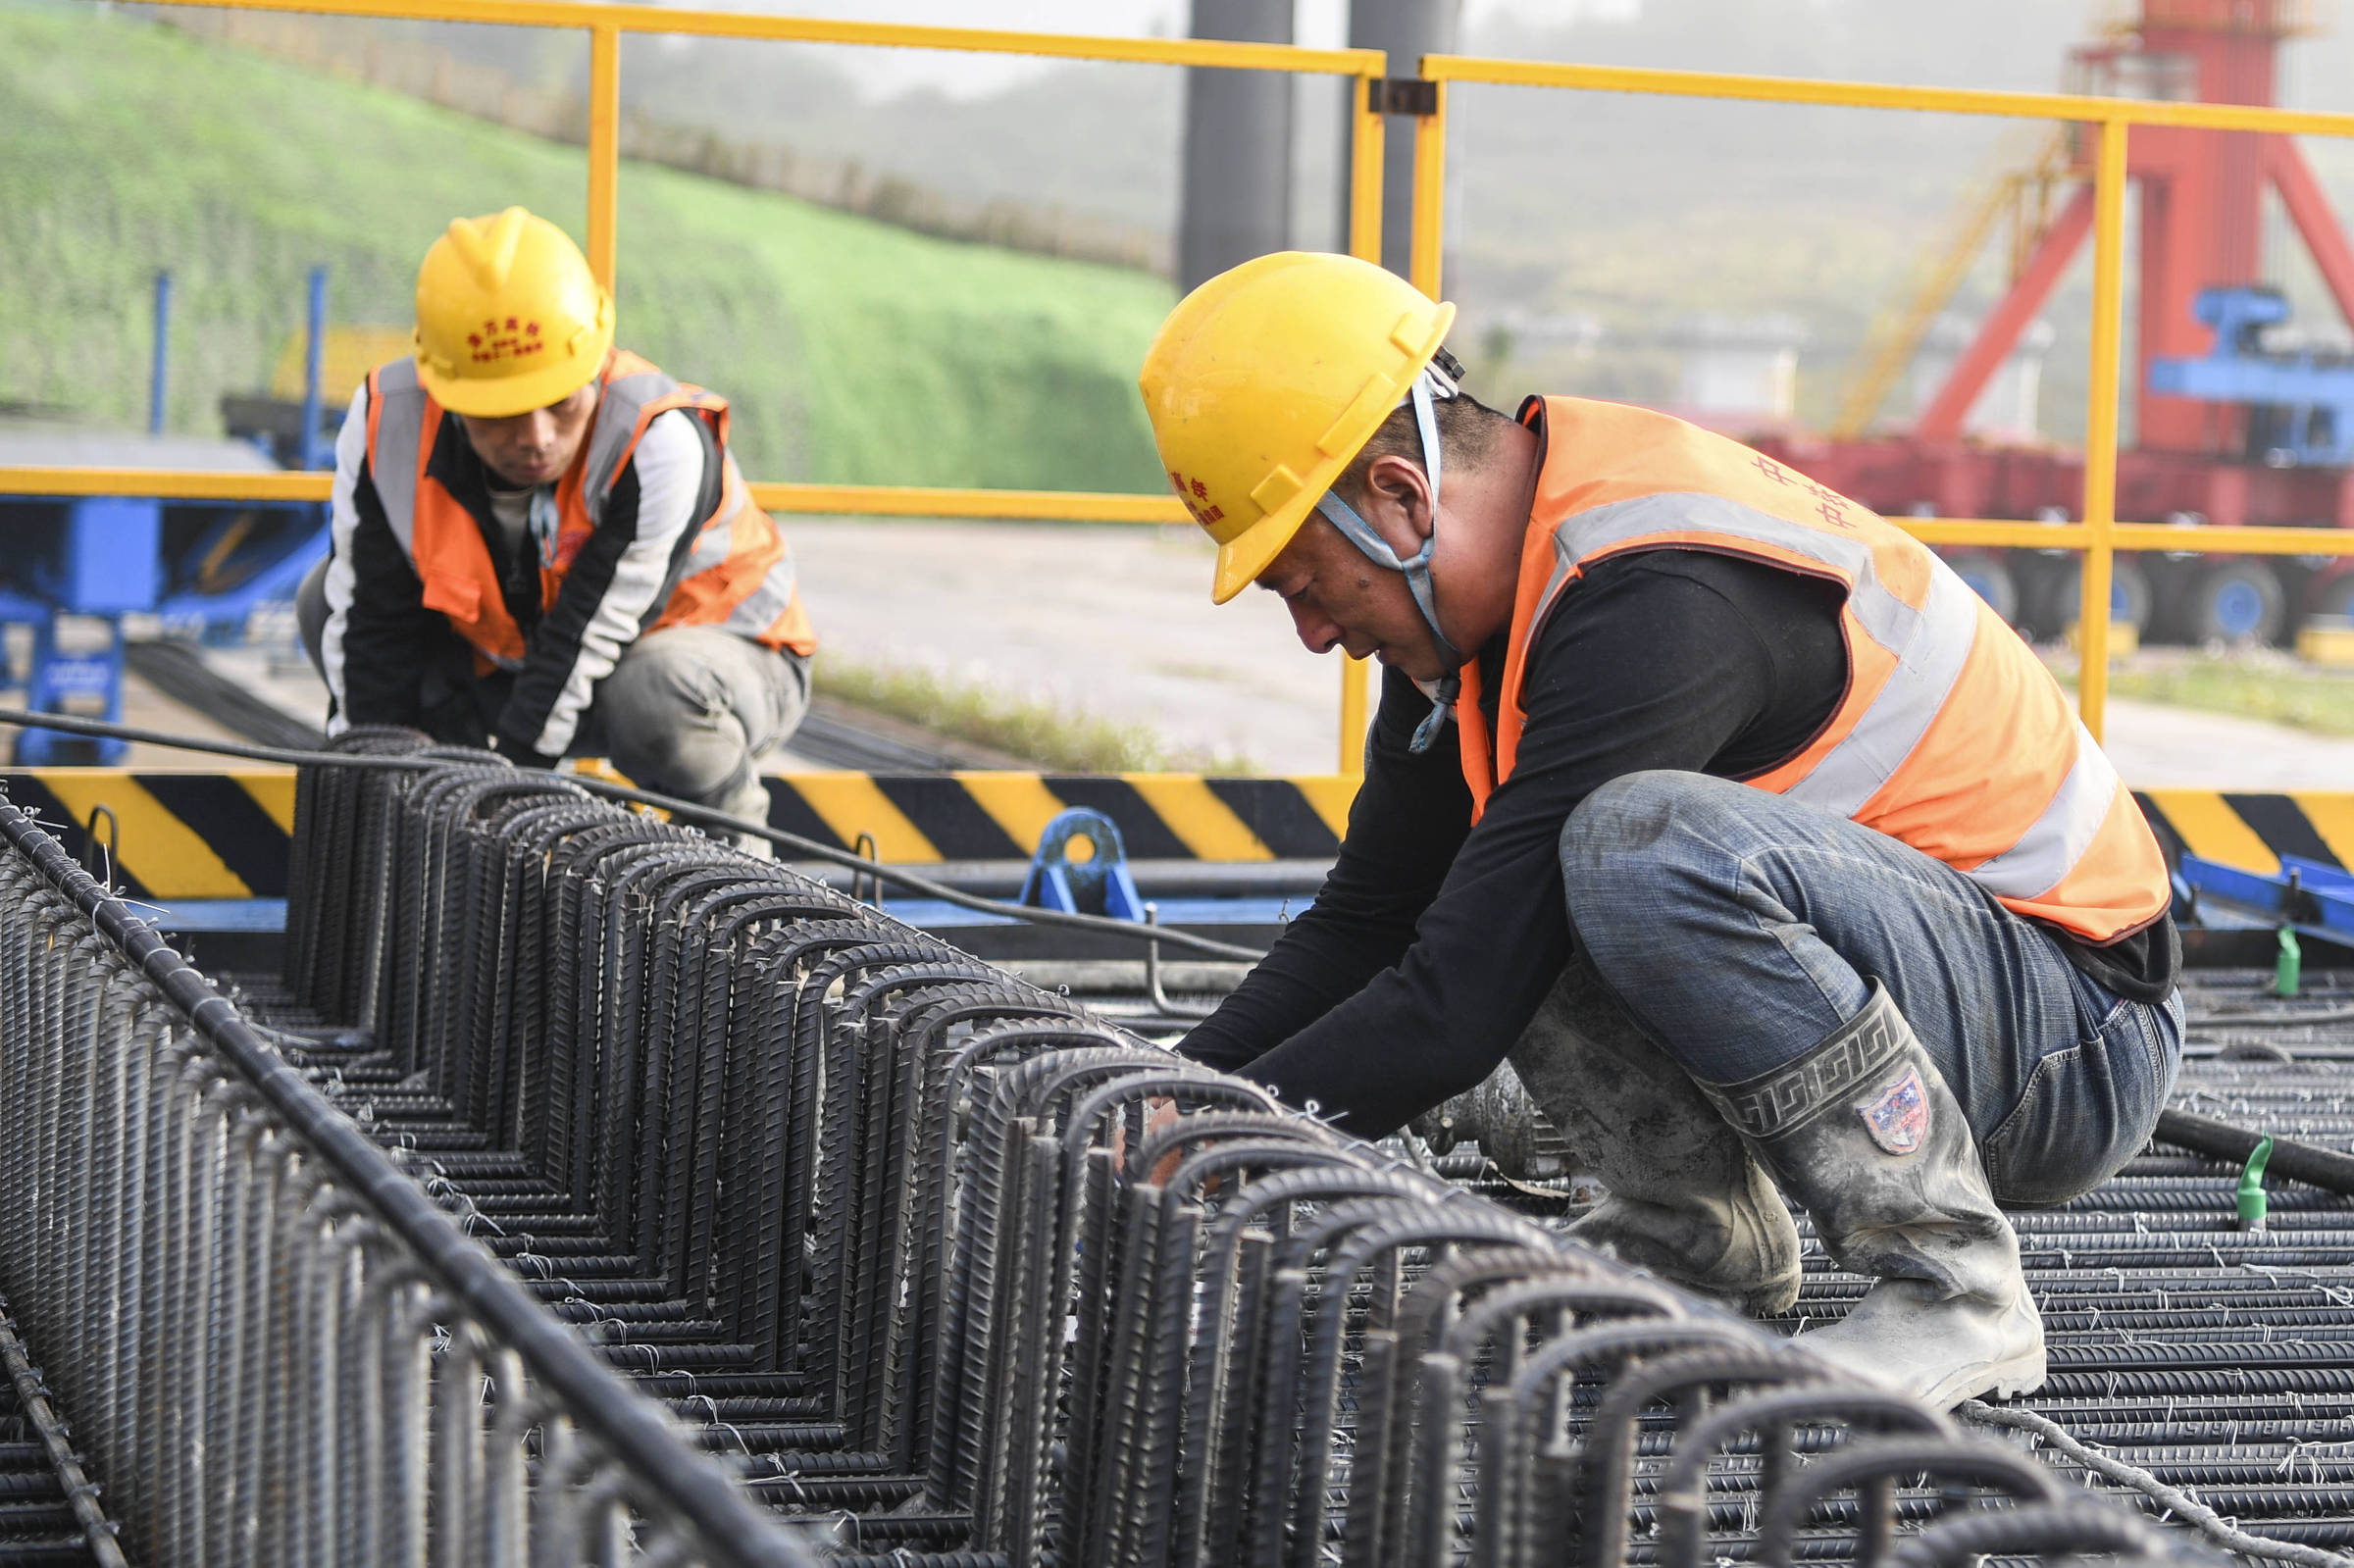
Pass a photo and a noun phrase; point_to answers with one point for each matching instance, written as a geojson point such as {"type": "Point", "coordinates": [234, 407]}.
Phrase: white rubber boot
{"type": "Point", "coordinates": [1686, 1201]}
{"type": "Point", "coordinates": [1863, 1132]}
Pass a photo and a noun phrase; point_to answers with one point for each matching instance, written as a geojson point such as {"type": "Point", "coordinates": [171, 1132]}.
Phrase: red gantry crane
{"type": "Point", "coordinates": [2230, 431]}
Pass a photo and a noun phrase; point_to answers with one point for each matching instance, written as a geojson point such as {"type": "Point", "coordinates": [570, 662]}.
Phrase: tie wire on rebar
{"type": "Point", "coordinates": [914, 1245]}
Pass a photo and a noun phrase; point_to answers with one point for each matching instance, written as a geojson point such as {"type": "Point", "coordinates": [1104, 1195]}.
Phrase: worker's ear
{"type": "Point", "coordinates": [1398, 503]}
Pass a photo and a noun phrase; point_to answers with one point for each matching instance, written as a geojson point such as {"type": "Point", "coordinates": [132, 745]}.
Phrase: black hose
{"type": "Point", "coordinates": [2241, 1018]}
{"type": "Point", "coordinates": [701, 816]}
{"type": "Point", "coordinates": [2309, 1163]}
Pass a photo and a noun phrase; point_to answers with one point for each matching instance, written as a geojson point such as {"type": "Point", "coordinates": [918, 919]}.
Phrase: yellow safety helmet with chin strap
{"type": "Point", "coordinates": [1267, 380]}
{"type": "Point", "coordinates": [509, 317]}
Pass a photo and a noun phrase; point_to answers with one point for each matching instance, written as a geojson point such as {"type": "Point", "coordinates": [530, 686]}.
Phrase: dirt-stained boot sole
{"type": "Point", "coordinates": [1901, 1337]}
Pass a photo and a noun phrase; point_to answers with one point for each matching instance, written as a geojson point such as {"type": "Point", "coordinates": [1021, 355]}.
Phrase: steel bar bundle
{"type": "Point", "coordinates": [279, 1348]}
{"type": "Point", "coordinates": [934, 1262]}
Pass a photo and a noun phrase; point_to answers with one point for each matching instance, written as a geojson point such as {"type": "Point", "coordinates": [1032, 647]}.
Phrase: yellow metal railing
{"type": "Point", "coordinates": [2099, 536]}
{"type": "Point", "coordinates": [605, 25]}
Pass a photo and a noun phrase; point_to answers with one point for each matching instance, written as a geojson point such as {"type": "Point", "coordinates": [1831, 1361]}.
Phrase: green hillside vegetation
{"type": "Point", "coordinates": [853, 351]}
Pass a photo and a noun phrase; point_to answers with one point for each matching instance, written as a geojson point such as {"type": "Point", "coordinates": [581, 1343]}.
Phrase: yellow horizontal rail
{"type": "Point", "coordinates": [1882, 95]}
{"type": "Point", "coordinates": [903, 500]}
{"type": "Point", "coordinates": [812, 29]}
{"type": "Point", "coordinates": [857, 500]}
{"type": "Point", "coordinates": [2231, 541]}
{"type": "Point", "coordinates": [1099, 506]}
{"type": "Point", "coordinates": [1995, 532]}
{"type": "Point", "coordinates": [168, 484]}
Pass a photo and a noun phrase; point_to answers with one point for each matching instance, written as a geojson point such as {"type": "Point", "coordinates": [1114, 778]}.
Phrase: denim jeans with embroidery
{"type": "Point", "coordinates": [1741, 927]}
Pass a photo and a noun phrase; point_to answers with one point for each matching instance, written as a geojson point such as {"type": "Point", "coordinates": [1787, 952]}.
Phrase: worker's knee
{"type": "Point", "coordinates": [1650, 852]}
{"type": "Point", "coordinates": [1629, 830]}
{"type": "Point", "coordinates": [669, 723]}
{"type": "Point", "coordinates": [686, 711]}
{"type": "Point", "coordinates": [692, 763]}
{"type": "Point", "coordinates": [661, 682]}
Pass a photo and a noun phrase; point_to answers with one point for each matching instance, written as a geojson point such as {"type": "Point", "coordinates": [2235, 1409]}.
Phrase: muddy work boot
{"type": "Point", "coordinates": [1863, 1132]}
{"type": "Point", "coordinates": [1686, 1201]}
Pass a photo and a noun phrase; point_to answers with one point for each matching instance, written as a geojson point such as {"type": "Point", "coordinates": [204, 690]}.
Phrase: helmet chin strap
{"type": "Point", "coordinates": [1431, 384]}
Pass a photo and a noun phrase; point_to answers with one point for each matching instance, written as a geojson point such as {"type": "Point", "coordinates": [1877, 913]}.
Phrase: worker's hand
{"type": "Point", "coordinates": [1161, 1112]}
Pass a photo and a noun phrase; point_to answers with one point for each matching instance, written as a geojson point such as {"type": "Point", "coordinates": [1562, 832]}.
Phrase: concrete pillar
{"type": "Point", "coordinates": [1235, 201]}
{"type": "Point", "coordinates": [1407, 29]}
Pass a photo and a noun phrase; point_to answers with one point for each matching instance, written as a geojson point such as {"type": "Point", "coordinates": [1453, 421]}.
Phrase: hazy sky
{"type": "Point", "coordinates": [1321, 24]}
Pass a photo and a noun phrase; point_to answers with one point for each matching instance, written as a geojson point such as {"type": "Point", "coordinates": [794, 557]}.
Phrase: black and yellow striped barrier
{"type": "Point", "coordinates": [2253, 831]}
{"type": "Point", "coordinates": [180, 834]}
{"type": "Point", "coordinates": [998, 816]}
{"type": "Point", "coordinates": [189, 836]}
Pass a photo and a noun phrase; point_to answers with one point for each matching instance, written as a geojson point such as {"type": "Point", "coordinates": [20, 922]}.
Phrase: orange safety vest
{"type": "Point", "coordinates": [1952, 735]}
{"type": "Point", "coordinates": [739, 574]}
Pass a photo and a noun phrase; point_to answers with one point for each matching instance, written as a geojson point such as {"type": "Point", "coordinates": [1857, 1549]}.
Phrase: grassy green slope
{"type": "Point", "coordinates": [851, 352]}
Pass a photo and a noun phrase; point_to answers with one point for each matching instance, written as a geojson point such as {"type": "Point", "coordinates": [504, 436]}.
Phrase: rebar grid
{"type": "Point", "coordinates": [930, 1258]}
{"type": "Point", "coordinates": [280, 1350]}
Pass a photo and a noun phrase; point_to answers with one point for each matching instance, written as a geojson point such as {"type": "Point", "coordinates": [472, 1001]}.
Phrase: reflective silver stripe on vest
{"type": "Point", "coordinates": [2047, 851]}
{"type": "Point", "coordinates": [1931, 644]}
{"type": "Point", "coordinates": [1854, 770]}
{"type": "Point", "coordinates": [625, 398]}
{"type": "Point", "coordinates": [757, 610]}
{"type": "Point", "coordinates": [1889, 620]}
{"type": "Point", "coordinates": [712, 547]}
{"type": "Point", "coordinates": [393, 457]}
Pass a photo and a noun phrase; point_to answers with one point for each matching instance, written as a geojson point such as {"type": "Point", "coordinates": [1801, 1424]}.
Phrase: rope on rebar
{"type": "Point", "coordinates": [2174, 1501]}
{"type": "Point", "coordinates": [701, 816]}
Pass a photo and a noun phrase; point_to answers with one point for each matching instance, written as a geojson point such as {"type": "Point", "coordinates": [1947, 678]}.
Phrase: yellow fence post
{"type": "Point", "coordinates": [604, 150]}
{"type": "Point", "coordinates": [1365, 243]}
{"type": "Point", "coordinates": [1364, 171]}
{"type": "Point", "coordinates": [2100, 424]}
{"type": "Point", "coordinates": [1430, 193]}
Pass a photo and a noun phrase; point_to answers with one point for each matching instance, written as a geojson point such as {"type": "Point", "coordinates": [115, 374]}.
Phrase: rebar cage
{"type": "Point", "coordinates": [939, 1267]}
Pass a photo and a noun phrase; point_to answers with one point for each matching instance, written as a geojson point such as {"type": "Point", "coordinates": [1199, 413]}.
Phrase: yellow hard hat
{"type": "Point", "coordinates": [508, 317]}
{"type": "Point", "coordinates": [1265, 382]}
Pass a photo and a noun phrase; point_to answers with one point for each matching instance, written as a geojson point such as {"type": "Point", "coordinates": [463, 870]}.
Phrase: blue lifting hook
{"type": "Point", "coordinates": [1094, 882]}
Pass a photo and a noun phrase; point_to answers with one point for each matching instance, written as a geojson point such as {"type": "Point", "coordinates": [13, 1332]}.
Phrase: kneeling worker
{"type": "Point", "coordinates": [542, 544]}
{"type": "Point", "coordinates": [1767, 853]}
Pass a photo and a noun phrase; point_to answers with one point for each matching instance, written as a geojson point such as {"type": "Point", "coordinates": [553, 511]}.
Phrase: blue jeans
{"type": "Point", "coordinates": [1742, 927]}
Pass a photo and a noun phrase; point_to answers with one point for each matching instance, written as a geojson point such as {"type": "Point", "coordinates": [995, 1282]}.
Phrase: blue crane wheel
{"type": "Point", "coordinates": [2236, 601]}
{"type": "Point", "coordinates": [2239, 609]}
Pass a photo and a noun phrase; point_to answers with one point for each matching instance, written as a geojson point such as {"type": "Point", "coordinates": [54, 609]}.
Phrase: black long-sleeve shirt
{"type": "Point", "coordinates": [1432, 942]}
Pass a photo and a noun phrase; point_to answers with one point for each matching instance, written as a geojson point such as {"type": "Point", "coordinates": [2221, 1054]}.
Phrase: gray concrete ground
{"type": "Point", "coordinates": [1117, 623]}
{"type": "Point", "coordinates": [2157, 746]}
{"type": "Point", "coordinates": [1114, 622]}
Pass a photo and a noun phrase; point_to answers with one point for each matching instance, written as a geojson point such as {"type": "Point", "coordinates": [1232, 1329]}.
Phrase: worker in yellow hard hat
{"type": "Point", "coordinates": [1766, 853]}
{"type": "Point", "coordinates": [542, 544]}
